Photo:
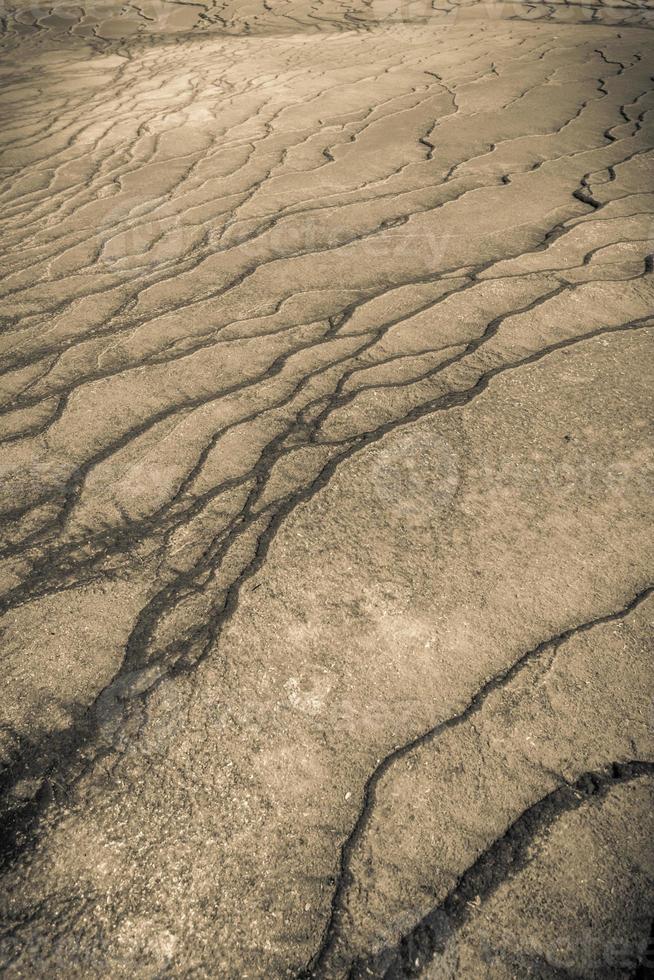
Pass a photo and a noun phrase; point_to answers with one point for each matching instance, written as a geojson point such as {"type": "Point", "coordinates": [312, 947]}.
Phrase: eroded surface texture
{"type": "Point", "coordinates": [326, 489]}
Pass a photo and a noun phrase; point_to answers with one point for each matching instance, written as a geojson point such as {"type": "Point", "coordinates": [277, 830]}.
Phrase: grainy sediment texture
{"type": "Point", "coordinates": [326, 565]}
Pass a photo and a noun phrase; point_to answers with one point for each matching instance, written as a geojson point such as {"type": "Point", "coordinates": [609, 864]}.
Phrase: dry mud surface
{"type": "Point", "coordinates": [326, 564]}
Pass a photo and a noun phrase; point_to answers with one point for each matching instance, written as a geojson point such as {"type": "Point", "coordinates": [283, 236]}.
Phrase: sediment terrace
{"type": "Point", "coordinates": [326, 564]}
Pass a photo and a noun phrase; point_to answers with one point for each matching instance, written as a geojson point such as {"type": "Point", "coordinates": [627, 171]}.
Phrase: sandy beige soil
{"type": "Point", "coordinates": [326, 583]}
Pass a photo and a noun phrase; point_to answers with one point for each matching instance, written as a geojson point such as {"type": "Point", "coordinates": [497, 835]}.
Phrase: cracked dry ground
{"type": "Point", "coordinates": [326, 479]}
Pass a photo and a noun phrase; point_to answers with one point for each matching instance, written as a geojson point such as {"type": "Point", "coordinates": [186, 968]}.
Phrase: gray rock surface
{"type": "Point", "coordinates": [326, 559]}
